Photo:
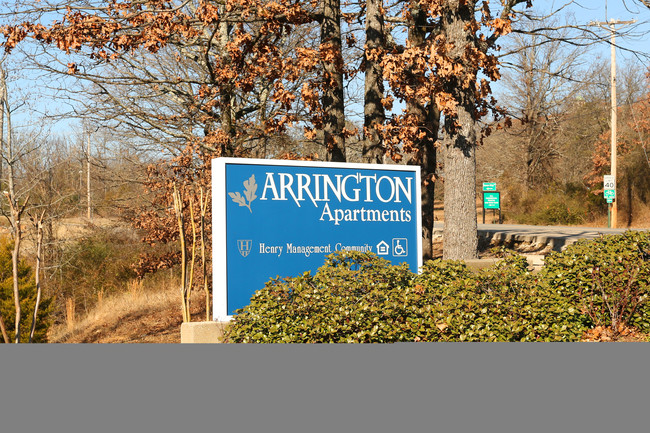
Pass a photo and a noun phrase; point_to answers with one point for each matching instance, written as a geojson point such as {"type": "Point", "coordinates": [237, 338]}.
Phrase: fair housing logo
{"type": "Point", "coordinates": [323, 188]}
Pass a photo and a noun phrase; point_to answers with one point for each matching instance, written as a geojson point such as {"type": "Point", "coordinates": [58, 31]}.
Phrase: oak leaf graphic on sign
{"type": "Point", "coordinates": [250, 187]}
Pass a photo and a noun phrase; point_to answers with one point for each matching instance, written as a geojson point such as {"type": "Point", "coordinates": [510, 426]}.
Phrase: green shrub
{"type": "Point", "coordinates": [27, 292]}
{"type": "Point", "coordinates": [501, 303]}
{"type": "Point", "coordinates": [610, 266]}
{"type": "Point", "coordinates": [358, 297]}
{"type": "Point", "coordinates": [349, 299]}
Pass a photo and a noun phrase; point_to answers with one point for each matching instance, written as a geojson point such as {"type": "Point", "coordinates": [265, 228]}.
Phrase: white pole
{"type": "Point", "coordinates": [89, 209]}
{"type": "Point", "coordinates": [611, 26]}
{"type": "Point", "coordinates": [614, 122]}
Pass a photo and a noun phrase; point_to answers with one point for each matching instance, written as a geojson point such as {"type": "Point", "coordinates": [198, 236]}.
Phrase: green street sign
{"type": "Point", "coordinates": [491, 200]}
{"type": "Point", "coordinates": [610, 194]}
{"type": "Point", "coordinates": [610, 200]}
{"type": "Point", "coordinates": [489, 186]}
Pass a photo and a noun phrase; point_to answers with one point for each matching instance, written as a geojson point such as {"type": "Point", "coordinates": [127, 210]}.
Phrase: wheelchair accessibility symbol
{"type": "Point", "coordinates": [400, 247]}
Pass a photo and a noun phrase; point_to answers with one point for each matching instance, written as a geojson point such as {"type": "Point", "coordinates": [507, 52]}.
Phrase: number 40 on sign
{"type": "Point", "coordinates": [609, 188]}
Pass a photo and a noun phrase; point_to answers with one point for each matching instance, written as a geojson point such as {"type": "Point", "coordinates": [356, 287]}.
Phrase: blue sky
{"type": "Point", "coordinates": [637, 36]}
{"type": "Point", "coordinates": [634, 45]}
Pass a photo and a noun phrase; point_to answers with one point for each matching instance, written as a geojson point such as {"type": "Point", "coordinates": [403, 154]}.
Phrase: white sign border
{"type": "Point", "coordinates": [219, 246]}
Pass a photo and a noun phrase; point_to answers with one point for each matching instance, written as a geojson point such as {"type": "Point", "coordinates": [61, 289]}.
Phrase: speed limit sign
{"type": "Point", "coordinates": [609, 182]}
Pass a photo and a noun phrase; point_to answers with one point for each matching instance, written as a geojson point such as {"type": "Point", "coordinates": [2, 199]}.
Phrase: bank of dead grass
{"type": "Point", "coordinates": [137, 315]}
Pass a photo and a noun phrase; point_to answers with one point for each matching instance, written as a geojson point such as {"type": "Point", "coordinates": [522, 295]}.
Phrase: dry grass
{"type": "Point", "coordinates": [137, 315]}
{"type": "Point", "coordinates": [641, 216]}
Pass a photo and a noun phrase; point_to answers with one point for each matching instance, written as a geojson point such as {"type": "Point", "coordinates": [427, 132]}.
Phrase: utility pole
{"type": "Point", "coordinates": [89, 209]}
{"type": "Point", "coordinates": [611, 26]}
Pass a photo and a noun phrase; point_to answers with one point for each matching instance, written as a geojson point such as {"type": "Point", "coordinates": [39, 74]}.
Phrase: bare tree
{"type": "Point", "coordinates": [542, 79]}
{"type": "Point", "coordinates": [23, 172]}
{"type": "Point", "coordinates": [17, 205]}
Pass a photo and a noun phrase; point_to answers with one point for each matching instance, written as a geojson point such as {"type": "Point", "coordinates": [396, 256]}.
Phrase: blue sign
{"type": "Point", "coordinates": [281, 218]}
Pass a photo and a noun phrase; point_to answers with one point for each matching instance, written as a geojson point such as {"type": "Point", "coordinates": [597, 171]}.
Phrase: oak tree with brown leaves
{"type": "Point", "coordinates": [438, 71]}
{"type": "Point", "coordinates": [441, 72]}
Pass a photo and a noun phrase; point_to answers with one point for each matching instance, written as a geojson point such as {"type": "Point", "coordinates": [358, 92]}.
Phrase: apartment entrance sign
{"type": "Point", "coordinates": [281, 218]}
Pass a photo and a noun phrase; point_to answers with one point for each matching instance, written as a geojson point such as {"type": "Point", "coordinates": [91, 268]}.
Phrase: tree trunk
{"type": "Point", "coordinates": [226, 93]}
{"type": "Point", "coordinates": [374, 114]}
{"type": "Point", "coordinates": [89, 208]}
{"type": "Point", "coordinates": [178, 209]}
{"type": "Point", "coordinates": [428, 121]}
{"type": "Point", "coordinates": [428, 164]}
{"type": "Point", "coordinates": [16, 213]}
{"type": "Point", "coordinates": [332, 99]}
{"type": "Point", "coordinates": [3, 328]}
{"type": "Point", "coordinates": [538, 154]}
{"type": "Point", "coordinates": [3, 96]}
{"type": "Point", "coordinates": [16, 210]}
{"type": "Point", "coordinates": [460, 232]}
{"type": "Point", "coordinates": [15, 259]}
{"type": "Point", "coordinates": [37, 273]}
{"type": "Point", "coordinates": [3, 93]}
{"type": "Point", "coordinates": [227, 122]}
